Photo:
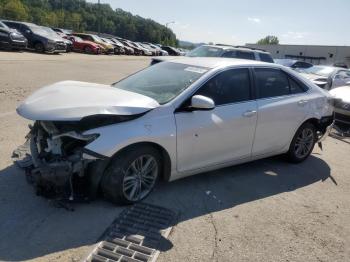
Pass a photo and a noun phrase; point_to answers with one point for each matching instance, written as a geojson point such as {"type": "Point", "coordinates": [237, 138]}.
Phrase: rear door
{"type": "Point", "coordinates": [207, 138]}
{"type": "Point", "coordinates": [282, 107]}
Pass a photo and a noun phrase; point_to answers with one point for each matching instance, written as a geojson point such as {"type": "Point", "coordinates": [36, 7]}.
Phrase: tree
{"type": "Point", "coordinates": [269, 40]}
{"type": "Point", "coordinates": [15, 10]}
{"type": "Point", "coordinates": [81, 15]}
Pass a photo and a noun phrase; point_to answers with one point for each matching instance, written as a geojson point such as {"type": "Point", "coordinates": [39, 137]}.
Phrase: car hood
{"type": "Point", "coordinates": [316, 79]}
{"type": "Point", "coordinates": [313, 77]}
{"type": "Point", "coordinates": [342, 92]}
{"type": "Point", "coordinates": [72, 100]}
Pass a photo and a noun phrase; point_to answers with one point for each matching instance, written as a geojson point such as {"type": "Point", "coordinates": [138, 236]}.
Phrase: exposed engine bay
{"type": "Point", "coordinates": [55, 160]}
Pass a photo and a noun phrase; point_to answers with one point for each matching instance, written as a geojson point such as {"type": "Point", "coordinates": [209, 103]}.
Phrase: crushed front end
{"type": "Point", "coordinates": [55, 160]}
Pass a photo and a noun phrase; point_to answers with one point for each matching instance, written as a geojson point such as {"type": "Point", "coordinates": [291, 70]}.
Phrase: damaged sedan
{"type": "Point", "coordinates": [168, 121]}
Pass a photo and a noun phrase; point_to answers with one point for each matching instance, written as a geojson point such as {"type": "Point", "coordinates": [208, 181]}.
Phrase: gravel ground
{"type": "Point", "coordinates": [267, 210]}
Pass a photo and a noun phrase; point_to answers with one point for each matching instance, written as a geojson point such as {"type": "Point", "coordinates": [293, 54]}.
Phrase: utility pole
{"type": "Point", "coordinates": [166, 24]}
{"type": "Point", "coordinates": [99, 17]}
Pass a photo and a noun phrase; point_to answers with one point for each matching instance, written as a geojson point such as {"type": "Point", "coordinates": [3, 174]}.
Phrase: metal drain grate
{"type": "Point", "coordinates": [135, 235]}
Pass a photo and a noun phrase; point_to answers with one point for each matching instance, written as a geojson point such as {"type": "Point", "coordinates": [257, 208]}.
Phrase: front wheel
{"type": "Point", "coordinates": [132, 175]}
{"type": "Point", "coordinates": [303, 143]}
{"type": "Point", "coordinates": [39, 47]}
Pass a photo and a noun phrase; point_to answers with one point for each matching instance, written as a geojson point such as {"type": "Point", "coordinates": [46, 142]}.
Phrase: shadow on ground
{"type": "Point", "coordinates": [30, 227]}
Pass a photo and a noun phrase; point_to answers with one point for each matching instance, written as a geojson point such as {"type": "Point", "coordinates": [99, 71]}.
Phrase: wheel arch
{"type": "Point", "coordinates": [96, 170]}
{"type": "Point", "coordinates": [166, 160]}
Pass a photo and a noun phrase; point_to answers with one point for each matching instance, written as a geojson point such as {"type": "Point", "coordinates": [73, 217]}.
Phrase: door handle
{"type": "Point", "coordinates": [249, 113]}
{"type": "Point", "coordinates": [302, 102]}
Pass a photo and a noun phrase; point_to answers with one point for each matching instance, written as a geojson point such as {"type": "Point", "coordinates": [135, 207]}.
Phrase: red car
{"type": "Point", "coordinates": [80, 45]}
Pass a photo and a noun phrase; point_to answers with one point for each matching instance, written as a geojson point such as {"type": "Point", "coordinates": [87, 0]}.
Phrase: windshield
{"type": "Point", "coordinates": [2, 25]}
{"type": "Point", "coordinates": [162, 82]}
{"type": "Point", "coordinates": [78, 39]}
{"type": "Point", "coordinates": [320, 70]}
{"type": "Point", "coordinates": [40, 30]}
{"type": "Point", "coordinates": [96, 38]}
{"type": "Point", "coordinates": [107, 40]}
{"type": "Point", "coordinates": [205, 51]}
{"type": "Point", "coordinates": [49, 31]}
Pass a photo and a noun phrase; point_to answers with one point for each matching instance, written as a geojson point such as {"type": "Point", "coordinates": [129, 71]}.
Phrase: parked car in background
{"type": "Point", "coordinates": [118, 49]}
{"type": "Point", "coordinates": [110, 137]}
{"type": "Point", "coordinates": [223, 51]}
{"type": "Point", "coordinates": [172, 51]}
{"type": "Point", "coordinates": [127, 49]}
{"type": "Point", "coordinates": [62, 32]}
{"type": "Point", "coordinates": [231, 52]}
{"type": "Point", "coordinates": [342, 108]}
{"type": "Point", "coordinates": [106, 47]}
{"type": "Point", "coordinates": [161, 52]}
{"type": "Point", "coordinates": [88, 47]}
{"type": "Point", "coordinates": [341, 64]}
{"type": "Point", "coordinates": [327, 77]}
{"type": "Point", "coordinates": [69, 44]}
{"type": "Point", "coordinates": [11, 38]}
{"type": "Point", "coordinates": [137, 50]}
{"type": "Point", "coordinates": [38, 38]}
{"type": "Point", "coordinates": [294, 64]}
{"type": "Point", "coordinates": [154, 51]}
{"type": "Point", "coordinates": [144, 51]}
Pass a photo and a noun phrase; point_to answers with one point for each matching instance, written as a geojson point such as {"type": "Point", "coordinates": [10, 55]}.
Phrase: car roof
{"type": "Point", "coordinates": [215, 62]}
{"type": "Point", "coordinates": [19, 22]}
{"type": "Point", "coordinates": [242, 48]}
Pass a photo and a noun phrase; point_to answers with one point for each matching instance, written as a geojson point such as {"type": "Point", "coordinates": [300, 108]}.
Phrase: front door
{"type": "Point", "coordinates": [206, 138]}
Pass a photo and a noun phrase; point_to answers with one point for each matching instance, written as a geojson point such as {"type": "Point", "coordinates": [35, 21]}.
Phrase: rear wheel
{"type": "Point", "coordinates": [132, 175]}
{"type": "Point", "coordinates": [303, 143]}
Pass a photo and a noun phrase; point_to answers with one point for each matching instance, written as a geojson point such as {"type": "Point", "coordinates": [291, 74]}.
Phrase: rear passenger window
{"type": "Point", "coordinates": [245, 55]}
{"type": "Point", "coordinates": [265, 57]}
{"type": "Point", "coordinates": [271, 82]}
{"type": "Point", "coordinates": [231, 54]}
{"type": "Point", "coordinates": [295, 88]}
{"type": "Point", "coordinates": [231, 86]}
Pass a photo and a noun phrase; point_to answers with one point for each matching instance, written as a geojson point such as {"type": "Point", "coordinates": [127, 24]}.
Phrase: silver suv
{"type": "Point", "coordinates": [241, 52]}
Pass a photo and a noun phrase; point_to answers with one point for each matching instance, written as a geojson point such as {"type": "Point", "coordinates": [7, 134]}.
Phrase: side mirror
{"type": "Point", "coordinates": [202, 103]}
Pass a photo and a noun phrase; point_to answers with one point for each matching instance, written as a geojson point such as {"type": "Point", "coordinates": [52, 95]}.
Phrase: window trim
{"type": "Point", "coordinates": [182, 109]}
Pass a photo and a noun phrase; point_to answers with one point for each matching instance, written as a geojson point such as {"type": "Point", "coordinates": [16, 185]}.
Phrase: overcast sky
{"type": "Point", "coordinates": [323, 22]}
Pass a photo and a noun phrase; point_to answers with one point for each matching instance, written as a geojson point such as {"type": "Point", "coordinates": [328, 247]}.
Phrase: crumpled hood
{"type": "Point", "coordinates": [342, 92]}
{"type": "Point", "coordinates": [72, 100]}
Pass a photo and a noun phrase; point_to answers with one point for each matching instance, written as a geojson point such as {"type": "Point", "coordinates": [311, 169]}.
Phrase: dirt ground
{"type": "Point", "coordinates": [268, 210]}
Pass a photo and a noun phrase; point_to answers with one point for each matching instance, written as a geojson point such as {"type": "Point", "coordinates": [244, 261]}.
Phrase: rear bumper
{"type": "Point", "coordinates": [325, 126]}
{"type": "Point", "coordinates": [342, 116]}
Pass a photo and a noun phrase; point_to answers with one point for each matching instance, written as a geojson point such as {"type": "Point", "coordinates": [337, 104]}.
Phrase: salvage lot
{"type": "Point", "coordinates": [268, 210]}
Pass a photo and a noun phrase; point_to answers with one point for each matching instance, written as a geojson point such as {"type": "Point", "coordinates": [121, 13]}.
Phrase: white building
{"type": "Point", "coordinates": [315, 54]}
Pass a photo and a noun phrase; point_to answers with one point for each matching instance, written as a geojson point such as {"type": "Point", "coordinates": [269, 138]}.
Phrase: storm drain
{"type": "Point", "coordinates": [135, 235]}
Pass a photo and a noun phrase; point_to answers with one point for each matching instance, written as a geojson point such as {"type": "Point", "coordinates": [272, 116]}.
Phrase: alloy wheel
{"type": "Point", "coordinates": [304, 143]}
{"type": "Point", "coordinates": [140, 177]}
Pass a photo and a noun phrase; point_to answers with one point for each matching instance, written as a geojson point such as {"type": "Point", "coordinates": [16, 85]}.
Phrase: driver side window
{"type": "Point", "coordinates": [231, 86]}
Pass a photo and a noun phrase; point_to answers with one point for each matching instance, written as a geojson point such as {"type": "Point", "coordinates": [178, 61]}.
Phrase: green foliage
{"type": "Point", "coordinates": [81, 16]}
{"type": "Point", "coordinates": [14, 9]}
{"type": "Point", "coordinates": [269, 40]}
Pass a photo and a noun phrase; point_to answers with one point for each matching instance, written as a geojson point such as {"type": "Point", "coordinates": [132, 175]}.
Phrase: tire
{"type": "Point", "coordinates": [39, 47]}
{"type": "Point", "coordinates": [302, 144]}
{"type": "Point", "coordinates": [87, 50]}
{"type": "Point", "coordinates": [124, 182]}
